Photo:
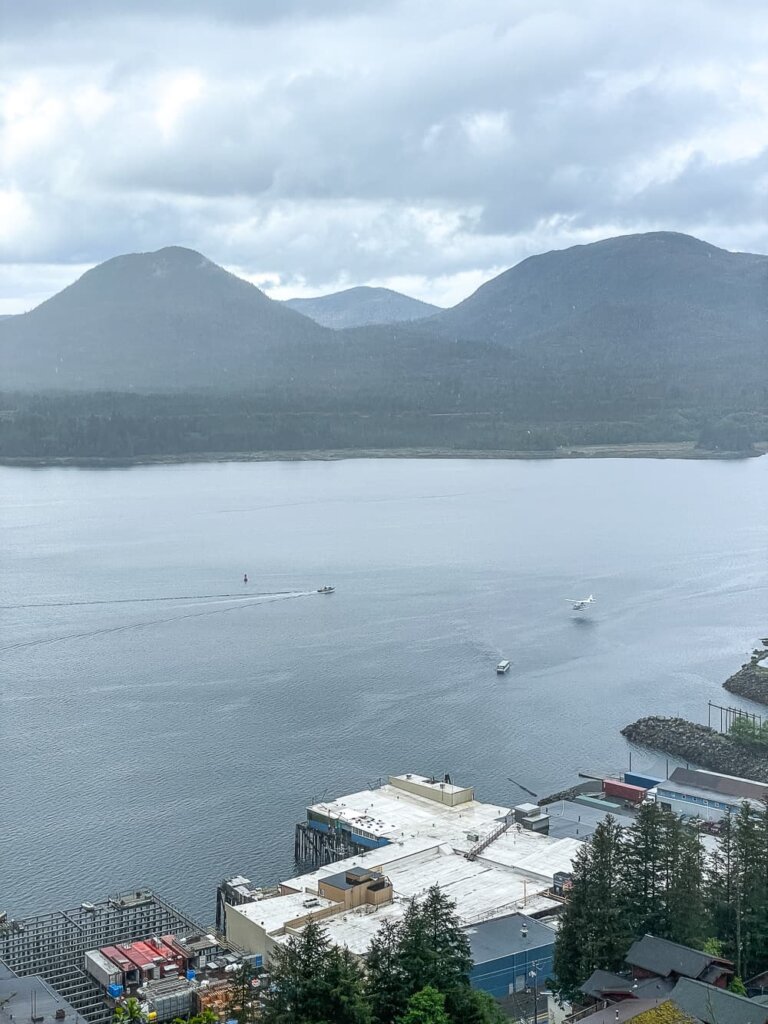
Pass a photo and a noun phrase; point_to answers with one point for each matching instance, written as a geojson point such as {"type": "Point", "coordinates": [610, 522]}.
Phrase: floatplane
{"type": "Point", "coordinates": [579, 603]}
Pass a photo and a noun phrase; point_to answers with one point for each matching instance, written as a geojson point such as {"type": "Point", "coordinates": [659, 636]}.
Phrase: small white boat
{"type": "Point", "coordinates": [503, 667]}
{"type": "Point", "coordinates": [325, 590]}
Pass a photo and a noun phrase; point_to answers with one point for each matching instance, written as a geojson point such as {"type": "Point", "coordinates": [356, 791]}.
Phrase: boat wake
{"type": "Point", "coordinates": [148, 600]}
{"type": "Point", "coordinates": [251, 601]}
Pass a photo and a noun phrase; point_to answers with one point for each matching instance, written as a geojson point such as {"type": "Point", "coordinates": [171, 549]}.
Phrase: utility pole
{"type": "Point", "coordinates": [534, 974]}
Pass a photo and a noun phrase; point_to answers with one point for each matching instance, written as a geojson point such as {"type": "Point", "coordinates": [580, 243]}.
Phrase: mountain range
{"type": "Point", "coordinates": [639, 329]}
{"type": "Point", "coordinates": [358, 307]}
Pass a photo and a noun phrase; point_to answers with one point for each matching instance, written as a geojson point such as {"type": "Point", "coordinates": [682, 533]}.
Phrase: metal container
{"type": "Point", "coordinates": [644, 781]}
{"type": "Point", "coordinates": [622, 790]}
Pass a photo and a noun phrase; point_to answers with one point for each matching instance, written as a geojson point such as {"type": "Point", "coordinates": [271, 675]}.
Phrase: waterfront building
{"type": "Point", "coordinates": [708, 795]}
{"type": "Point", "coordinates": [405, 836]}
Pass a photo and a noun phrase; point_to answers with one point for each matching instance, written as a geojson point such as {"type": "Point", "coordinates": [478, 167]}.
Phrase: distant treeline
{"type": "Point", "coordinates": [119, 425]}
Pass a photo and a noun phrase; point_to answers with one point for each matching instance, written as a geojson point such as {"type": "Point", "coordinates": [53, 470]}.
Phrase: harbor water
{"type": "Point", "coordinates": [164, 723]}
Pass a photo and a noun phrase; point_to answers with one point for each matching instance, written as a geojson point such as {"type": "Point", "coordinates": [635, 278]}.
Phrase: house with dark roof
{"type": "Point", "coordinates": [713, 1005]}
{"type": "Point", "coordinates": [651, 957]}
{"type": "Point", "coordinates": [689, 1002]}
{"type": "Point", "coordinates": [603, 986]}
{"type": "Point", "coordinates": [654, 966]}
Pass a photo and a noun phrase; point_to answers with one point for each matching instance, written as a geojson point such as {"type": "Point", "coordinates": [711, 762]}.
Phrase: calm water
{"type": "Point", "coordinates": [170, 742]}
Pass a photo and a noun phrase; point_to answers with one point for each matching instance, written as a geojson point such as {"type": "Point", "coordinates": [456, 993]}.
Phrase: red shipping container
{"type": "Point", "coordinates": [623, 790]}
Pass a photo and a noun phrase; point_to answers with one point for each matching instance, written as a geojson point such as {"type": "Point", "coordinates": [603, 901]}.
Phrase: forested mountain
{"type": "Point", "coordinates": [357, 307]}
{"type": "Point", "coordinates": [640, 338]}
{"type": "Point", "coordinates": [634, 295]}
{"type": "Point", "coordinates": [162, 320]}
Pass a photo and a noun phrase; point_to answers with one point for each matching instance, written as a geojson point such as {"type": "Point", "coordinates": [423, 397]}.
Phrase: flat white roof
{"type": "Point", "coordinates": [271, 914]}
{"type": "Point", "coordinates": [532, 854]}
{"type": "Point", "coordinates": [391, 813]}
{"type": "Point", "coordinates": [355, 928]}
{"type": "Point", "coordinates": [436, 784]}
{"type": "Point", "coordinates": [427, 842]}
{"type": "Point", "coordinates": [381, 859]}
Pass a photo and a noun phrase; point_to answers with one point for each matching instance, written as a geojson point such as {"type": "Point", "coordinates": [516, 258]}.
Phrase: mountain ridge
{"type": "Point", "coordinates": [546, 290]}
{"type": "Point", "coordinates": [361, 306]}
{"type": "Point", "coordinates": [171, 313]}
{"type": "Point", "coordinates": [618, 331]}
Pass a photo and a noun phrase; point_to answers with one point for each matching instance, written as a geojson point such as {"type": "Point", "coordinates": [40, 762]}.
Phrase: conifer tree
{"type": "Point", "coordinates": [314, 983]}
{"type": "Point", "coordinates": [662, 877]}
{"type": "Point", "coordinates": [643, 869]}
{"type": "Point", "coordinates": [473, 1006]}
{"type": "Point", "coordinates": [750, 837]}
{"type": "Point", "coordinates": [721, 887]}
{"type": "Point", "coordinates": [433, 948]}
{"type": "Point", "coordinates": [345, 1001]}
{"type": "Point", "coordinates": [386, 983]}
{"type": "Point", "coordinates": [594, 931]}
{"type": "Point", "coordinates": [684, 898]}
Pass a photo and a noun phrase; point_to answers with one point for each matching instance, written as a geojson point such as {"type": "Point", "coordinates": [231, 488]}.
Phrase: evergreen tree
{"type": "Point", "coordinates": [750, 837]}
{"type": "Point", "coordinates": [684, 912]}
{"type": "Point", "coordinates": [386, 983]}
{"type": "Point", "coordinates": [433, 948]}
{"type": "Point", "coordinates": [594, 931]}
{"type": "Point", "coordinates": [425, 1007]}
{"type": "Point", "coordinates": [721, 887]}
{"type": "Point", "coordinates": [662, 867]}
{"type": "Point", "coordinates": [643, 857]}
{"type": "Point", "coordinates": [314, 983]}
{"type": "Point", "coordinates": [346, 1002]}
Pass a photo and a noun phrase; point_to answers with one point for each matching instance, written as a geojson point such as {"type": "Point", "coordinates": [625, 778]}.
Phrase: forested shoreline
{"type": "Point", "coordinates": [119, 425]}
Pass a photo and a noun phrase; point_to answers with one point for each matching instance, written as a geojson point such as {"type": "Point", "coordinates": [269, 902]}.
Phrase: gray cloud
{"type": "Point", "coordinates": [311, 145]}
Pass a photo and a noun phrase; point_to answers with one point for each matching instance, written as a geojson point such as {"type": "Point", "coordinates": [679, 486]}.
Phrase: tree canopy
{"type": "Point", "coordinates": [654, 877]}
{"type": "Point", "coordinates": [415, 970]}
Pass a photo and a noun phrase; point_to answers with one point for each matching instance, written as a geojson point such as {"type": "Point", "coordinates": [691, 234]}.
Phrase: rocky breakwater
{"type": "Point", "coordinates": [751, 681]}
{"type": "Point", "coordinates": [699, 745]}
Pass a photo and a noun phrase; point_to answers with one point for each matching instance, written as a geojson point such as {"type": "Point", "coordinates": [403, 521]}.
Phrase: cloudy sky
{"type": "Point", "coordinates": [426, 145]}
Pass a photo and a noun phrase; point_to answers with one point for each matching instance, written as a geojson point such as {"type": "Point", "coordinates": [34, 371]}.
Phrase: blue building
{"type": "Point", "coordinates": [511, 954]}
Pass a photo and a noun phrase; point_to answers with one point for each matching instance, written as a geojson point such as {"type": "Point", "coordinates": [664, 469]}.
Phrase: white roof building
{"type": "Point", "coordinates": [429, 829]}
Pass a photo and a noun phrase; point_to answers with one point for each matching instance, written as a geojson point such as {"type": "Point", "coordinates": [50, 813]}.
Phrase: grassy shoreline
{"type": "Point", "coordinates": [658, 450]}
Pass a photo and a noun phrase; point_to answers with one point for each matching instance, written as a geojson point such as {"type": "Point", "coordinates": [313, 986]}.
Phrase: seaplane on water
{"type": "Point", "coordinates": [579, 603]}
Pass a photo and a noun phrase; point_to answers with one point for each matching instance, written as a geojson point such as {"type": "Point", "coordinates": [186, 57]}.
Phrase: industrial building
{"type": "Point", "coordinates": [405, 836]}
{"type": "Point", "coordinates": [708, 795]}
{"type": "Point", "coordinates": [511, 954]}
{"type": "Point", "coordinates": [71, 950]}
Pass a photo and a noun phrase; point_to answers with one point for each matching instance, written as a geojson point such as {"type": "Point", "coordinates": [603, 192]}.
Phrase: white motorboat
{"type": "Point", "coordinates": [503, 667]}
